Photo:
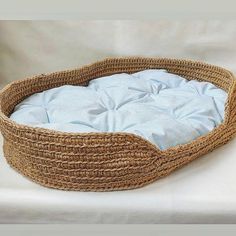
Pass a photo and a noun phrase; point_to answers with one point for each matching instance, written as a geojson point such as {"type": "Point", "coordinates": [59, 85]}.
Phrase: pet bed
{"type": "Point", "coordinates": [137, 120]}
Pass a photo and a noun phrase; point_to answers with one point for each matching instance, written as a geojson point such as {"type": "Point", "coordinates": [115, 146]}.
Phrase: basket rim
{"type": "Point", "coordinates": [77, 135]}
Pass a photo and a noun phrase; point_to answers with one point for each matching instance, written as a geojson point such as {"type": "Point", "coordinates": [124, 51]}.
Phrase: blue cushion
{"type": "Point", "coordinates": [163, 108]}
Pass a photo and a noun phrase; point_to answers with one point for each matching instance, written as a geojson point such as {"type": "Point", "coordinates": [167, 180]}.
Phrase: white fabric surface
{"type": "Point", "coordinates": [201, 192]}
{"type": "Point", "coordinates": [33, 47]}
{"type": "Point", "coordinates": [161, 107]}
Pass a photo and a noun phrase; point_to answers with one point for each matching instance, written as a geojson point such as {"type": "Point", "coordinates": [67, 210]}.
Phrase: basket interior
{"type": "Point", "coordinates": [18, 91]}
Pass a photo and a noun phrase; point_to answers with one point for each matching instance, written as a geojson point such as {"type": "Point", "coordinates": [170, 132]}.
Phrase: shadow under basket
{"type": "Point", "coordinates": [105, 161]}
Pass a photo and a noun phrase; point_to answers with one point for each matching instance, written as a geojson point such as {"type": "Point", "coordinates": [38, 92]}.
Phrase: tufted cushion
{"type": "Point", "coordinates": [163, 108]}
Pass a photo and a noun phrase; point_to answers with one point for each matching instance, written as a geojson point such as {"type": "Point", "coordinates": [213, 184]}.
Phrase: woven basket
{"type": "Point", "coordinates": [105, 161]}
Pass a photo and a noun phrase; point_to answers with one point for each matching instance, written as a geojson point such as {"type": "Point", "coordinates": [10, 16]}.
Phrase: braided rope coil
{"type": "Point", "coordinates": [105, 161]}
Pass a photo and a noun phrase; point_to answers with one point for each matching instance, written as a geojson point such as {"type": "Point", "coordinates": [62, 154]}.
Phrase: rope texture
{"type": "Point", "coordinates": [105, 161]}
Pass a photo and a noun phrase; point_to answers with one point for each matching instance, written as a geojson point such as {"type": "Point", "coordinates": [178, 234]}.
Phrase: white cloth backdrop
{"type": "Point", "coordinates": [33, 47]}
{"type": "Point", "coordinates": [202, 192]}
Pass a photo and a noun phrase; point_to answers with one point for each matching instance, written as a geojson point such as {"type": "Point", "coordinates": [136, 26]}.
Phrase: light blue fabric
{"type": "Point", "coordinates": [163, 108]}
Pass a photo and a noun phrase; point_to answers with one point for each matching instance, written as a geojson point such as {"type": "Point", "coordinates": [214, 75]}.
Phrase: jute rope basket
{"type": "Point", "coordinates": [105, 161]}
